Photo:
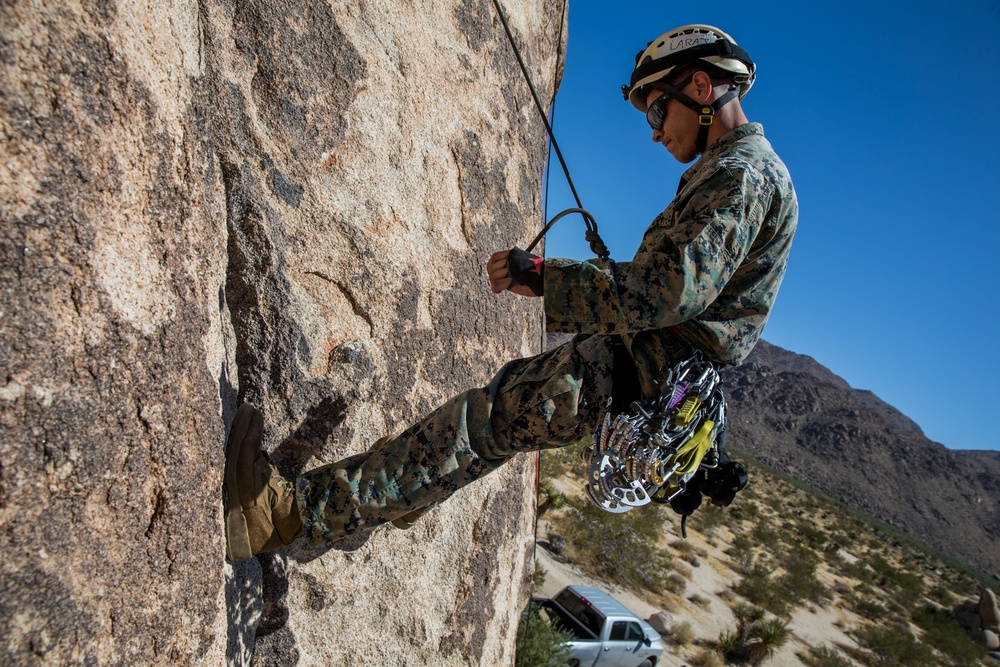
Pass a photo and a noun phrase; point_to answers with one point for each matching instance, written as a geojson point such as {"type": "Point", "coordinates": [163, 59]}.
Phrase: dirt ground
{"type": "Point", "coordinates": [810, 627]}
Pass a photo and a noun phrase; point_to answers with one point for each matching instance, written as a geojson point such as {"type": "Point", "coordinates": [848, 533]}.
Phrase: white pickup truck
{"type": "Point", "coordinates": [605, 633]}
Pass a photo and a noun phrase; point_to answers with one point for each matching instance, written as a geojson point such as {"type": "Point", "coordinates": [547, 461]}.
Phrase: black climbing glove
{"type": "Point", "coordinates": [526, 269]}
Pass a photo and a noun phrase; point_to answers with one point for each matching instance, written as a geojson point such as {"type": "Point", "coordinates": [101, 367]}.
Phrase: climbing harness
{"type": "Point", "coordinates": [653, 452]}
{"type": "Point", "coordinates": [597, 245]}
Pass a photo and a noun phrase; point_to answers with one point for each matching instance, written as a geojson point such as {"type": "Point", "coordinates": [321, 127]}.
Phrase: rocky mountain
{"type": "Point", "coordinates": [795, 415]}
{"type": "Point", "coordinates": [288, 203]}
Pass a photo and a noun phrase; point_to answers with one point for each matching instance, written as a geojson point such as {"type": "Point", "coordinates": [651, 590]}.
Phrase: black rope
{"type": "Point", "coordinates": [548, 170]}
{"type": "Point", "coordinates": [597, 245]}
{"type": "Point", "coordinates": [538, 104]}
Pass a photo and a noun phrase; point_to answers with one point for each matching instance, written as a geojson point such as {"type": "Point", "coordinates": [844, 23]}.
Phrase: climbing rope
{"type": "Point", "coordinates": [597, 245]}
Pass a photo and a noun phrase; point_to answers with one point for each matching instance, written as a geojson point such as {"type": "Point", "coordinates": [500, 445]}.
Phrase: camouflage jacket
{"type": "Point", "coordinates": [708, 268]}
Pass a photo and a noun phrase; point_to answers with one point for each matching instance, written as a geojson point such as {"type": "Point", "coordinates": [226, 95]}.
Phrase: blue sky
{"type": "Point", "coordinates": [884, 114]}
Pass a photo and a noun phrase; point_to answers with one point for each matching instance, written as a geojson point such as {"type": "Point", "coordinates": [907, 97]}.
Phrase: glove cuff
{"type": "Point", "coordinates": [526, 269]}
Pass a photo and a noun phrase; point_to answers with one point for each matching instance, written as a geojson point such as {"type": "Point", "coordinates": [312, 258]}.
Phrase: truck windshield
{"type": "Point", "coordinates": [592, 619]}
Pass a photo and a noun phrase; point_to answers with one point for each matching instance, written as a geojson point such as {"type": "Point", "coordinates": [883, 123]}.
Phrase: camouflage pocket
{"type": "Point", "coordinates": [556, 398]}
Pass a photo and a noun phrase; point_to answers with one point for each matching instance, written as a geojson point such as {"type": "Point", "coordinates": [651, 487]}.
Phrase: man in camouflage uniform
{"type": "Point", "coordinates": [704, 277]}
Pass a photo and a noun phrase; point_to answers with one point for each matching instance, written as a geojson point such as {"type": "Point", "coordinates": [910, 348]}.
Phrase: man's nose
{"type": "Point", "coordinates": [657, 135]}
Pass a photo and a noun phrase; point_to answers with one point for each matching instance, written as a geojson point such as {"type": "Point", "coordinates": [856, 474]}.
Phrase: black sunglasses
{"type": "Point", "coordinates": [657, 111]}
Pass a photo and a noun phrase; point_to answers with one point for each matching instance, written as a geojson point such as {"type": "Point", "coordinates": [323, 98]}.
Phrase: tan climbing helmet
{"type": "Point", "coordinates": [683, 46]}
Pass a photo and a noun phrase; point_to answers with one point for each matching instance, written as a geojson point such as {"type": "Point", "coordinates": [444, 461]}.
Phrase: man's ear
{"type": "Point", "coordinates": [702, 87]}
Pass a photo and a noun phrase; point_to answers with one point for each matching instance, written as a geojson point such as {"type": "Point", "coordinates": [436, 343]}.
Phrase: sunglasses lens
{"type": "Point", "coordinates": [657, 112]}
{"type": "Point", "coordinates": [655, 117]}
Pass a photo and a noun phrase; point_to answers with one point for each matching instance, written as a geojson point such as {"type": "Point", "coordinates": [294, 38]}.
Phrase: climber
{"type": "Point", "coordinates": [704, 278]}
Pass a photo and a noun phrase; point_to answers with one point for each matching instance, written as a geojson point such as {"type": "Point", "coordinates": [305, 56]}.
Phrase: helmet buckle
{"type": "Point", "coordinates": [706, 116]}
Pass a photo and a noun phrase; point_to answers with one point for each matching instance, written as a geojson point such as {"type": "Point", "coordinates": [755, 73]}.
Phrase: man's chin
{"type": "Point", "coordinates": [684, 157]}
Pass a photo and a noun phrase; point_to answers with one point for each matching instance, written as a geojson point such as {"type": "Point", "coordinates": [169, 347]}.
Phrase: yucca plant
{"type": "Point", "coordinates": [766, 638]}
{"type": "Point", "coordinates": [756, 639]}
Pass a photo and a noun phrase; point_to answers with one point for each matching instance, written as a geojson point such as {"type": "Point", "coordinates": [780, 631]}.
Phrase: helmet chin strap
{"type": "Point", "coordinates": [706, 116]}
{"type": "Point", "coordinates": [706, 112]}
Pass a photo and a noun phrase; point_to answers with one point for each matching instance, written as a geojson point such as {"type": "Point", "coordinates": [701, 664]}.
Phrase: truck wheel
{"type": "Point", "coordinates": [646, 663]}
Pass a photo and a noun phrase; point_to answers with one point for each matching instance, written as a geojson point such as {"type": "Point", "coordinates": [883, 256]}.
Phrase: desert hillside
{"type": "Point", "coordinates": [808, 580]}
{"type": "Point", "coordinates": [793, 414]}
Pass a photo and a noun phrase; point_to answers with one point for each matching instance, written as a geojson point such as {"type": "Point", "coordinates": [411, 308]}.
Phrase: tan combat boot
{"type": "Point", "coordinates": [261, 512]}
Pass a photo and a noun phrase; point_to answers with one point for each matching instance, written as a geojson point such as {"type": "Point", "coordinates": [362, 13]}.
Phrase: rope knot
{"type": "Point", "coordinates": [597, 244]}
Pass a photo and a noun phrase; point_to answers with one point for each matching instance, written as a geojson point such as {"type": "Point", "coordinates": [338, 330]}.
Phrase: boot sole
{"type": "Point", "coordinates": [237, 533]}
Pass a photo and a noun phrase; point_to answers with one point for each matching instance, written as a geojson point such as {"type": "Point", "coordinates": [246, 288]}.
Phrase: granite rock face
{"type": "Point", "coordinates": [287, 203]}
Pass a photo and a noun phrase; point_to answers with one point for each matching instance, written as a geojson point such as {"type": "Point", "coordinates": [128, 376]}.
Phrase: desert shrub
{"type": "Point", "coordinates": [896, 609]}
{"type": "Point", "coordinates": [812, 504]}
{"type": "Point", "coordinates": [727, 595]}
{"type": "Point", "coordinates": [687, 550]}
{"type": "Point", "coordinates": [755, 589]}
{"type": "Point", "coordinates": [811, 535]}
{"type": "Point", "coordinates": [682, 546]}
{"type": "Point", "coordinates": [554, 463]}
{"type": "Point", "coordinates": [764, 533]}
{"type": "Point", "coordinates": [682, 634]}
{"type": "Point", "coordinates": [942, 631]}
{"type": "Point", "coordinates": [894, 646]}
{"type": "Point", "coordinates": [874, 541]}
{"type": "Point", "coordinates": [748, 615]}
{"type": "Point", "coordinates": [692, 559]}
{"type": "Point", "coordinates": [843, 589]}
{"type": "Point", "coordinates": [676, 583]}
{"type": "Point", "coordinates": [549, 498]}
{"type": "Point", "coordinates": [756, 638]}
{"type": "Point", "coordinates": [910, 589]}
{"type": "Point", "coordinates": [859, 571]}
{"type": "Point", "coordinates": [761, 590]}
{"type": "Point", "coordinates": [683, 569]}
{"type": "Point", "coordinates": [742, 552]}
{"type": "Point", "coordinates": [538, 643]}
{"type": "Point", "coordinates": [619, 546]}
{"type": "Point", "coordinates": [824, 656]}
{"type": "Point", "coordinates": [799, 581]}
{"type": "Point", "coordinates": [865, 589]}
{"type": "Point", "coordinates": [941, 595]}
{"type": "Point", "coordinates": [881, 566]}
{"type": "Point", "coordinates": [710, 517]}
{"type": "Point", "coordinates": [701, 601]}
{"type": "Point", "coordinates": [538, 576]}
{"type": "Point", "coordinates": [870, 609]}
{"type": "Point", "coordinates": [744, 509]}
{"type": "Point", "coordinates": [708, 658]}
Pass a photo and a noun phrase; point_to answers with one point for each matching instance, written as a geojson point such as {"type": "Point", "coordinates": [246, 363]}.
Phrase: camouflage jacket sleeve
{"type": "Point", "coordinates": [686, 258]}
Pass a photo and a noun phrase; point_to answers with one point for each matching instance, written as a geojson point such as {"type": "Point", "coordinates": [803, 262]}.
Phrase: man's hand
{"type": "Point", "coordinates": [520, 272]}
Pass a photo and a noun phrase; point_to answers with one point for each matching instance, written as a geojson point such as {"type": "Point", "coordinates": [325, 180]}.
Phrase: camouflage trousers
{"type": "Point", "coordinates": [550, 400]}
